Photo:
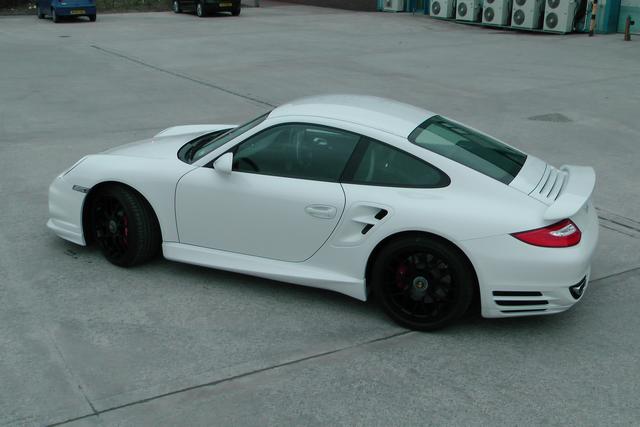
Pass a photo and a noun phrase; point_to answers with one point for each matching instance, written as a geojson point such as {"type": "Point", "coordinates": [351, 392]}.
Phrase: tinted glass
{"type": "Point", "coordinates": [476, 151]}
{"type": "Point", "coordinates": [297, 151]}
{"type": "Point", "coordinates": [205, 147]}
{"type": "Point", "coordinates": [384, 165]}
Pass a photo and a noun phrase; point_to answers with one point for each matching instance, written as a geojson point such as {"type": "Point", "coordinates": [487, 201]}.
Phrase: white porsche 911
{"type": "Point", "coordinates": [354, 194]}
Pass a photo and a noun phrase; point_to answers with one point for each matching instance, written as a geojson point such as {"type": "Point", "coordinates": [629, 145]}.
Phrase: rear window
{"type": "Point", "coordinates": [472, 149]}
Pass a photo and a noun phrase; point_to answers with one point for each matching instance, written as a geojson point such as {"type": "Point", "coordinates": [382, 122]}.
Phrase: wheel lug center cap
{"type": "Point", "coordinates": [420, 283]}
{"type": "Point", "coordinates": [113, 227]}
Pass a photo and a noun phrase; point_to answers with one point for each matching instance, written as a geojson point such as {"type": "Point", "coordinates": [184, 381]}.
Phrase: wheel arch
{"type": "Point", "coordinates": [404, 234]}
{"type": "Point", "coordinates": [88, 200]}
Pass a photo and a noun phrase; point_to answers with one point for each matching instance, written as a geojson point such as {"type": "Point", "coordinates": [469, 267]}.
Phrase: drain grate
{"type": "Point", "coordinates": [551, 117]}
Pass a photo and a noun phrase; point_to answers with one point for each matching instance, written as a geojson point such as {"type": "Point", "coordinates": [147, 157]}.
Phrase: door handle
{"type": "Point", "coordinates": [321, 211]}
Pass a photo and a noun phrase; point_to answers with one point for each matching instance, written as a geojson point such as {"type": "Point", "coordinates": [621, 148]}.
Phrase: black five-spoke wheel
{"type": "Point", "coordinates": [422, 283]}
{"type": "Point", "coordinates": [124, 226]}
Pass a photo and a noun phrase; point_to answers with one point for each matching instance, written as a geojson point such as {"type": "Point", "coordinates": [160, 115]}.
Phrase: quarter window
{"type": "Point", "coordinates": [384, 165]}
{"type": "Point", "coordinates": [472, 149]}
{"type": "Point", "coordinates": [297, 151]}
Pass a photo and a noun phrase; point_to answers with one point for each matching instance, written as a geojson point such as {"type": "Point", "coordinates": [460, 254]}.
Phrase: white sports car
{"type": "Point", "coordinates": [354, 194]}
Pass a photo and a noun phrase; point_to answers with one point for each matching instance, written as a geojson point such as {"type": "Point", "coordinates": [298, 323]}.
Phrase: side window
{"type": "Point", "coordinates": [297, 151]}
{"type": "Point", "coordinates": [384, 165]}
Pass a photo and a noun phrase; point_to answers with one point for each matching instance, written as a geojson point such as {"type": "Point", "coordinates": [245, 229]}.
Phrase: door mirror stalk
{"type": "Point", "coordinates": [224, 163]}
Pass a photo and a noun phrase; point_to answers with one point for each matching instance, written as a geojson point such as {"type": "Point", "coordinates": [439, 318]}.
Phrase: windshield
{"type": "Point", "coordinates": [202, 146]}
{"type": "Point", "coordinates": [472, 149]}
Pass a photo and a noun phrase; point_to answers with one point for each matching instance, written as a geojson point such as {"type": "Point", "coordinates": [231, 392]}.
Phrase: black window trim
{"type": "Point", "coordinates": [358, 155]}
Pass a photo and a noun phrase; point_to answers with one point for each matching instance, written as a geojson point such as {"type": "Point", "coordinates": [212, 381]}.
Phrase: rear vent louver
{"type": "Point", "coordinates": [520, 301]}
{"type": "Point", "coordinates": [550, 186]}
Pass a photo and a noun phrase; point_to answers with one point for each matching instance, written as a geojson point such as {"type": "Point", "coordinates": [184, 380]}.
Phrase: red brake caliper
{"type": "Point", "coordinates": [401, 273]}
{"type": "Point", "coordinates": [126, 229]}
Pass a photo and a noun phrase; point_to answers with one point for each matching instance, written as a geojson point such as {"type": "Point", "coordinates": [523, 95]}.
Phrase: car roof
{"type": "Point", "coordinates": [383, 114]}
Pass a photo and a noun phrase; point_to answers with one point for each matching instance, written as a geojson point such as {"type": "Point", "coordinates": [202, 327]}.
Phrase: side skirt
{"type": "Point", "coordinates": [290, 272]}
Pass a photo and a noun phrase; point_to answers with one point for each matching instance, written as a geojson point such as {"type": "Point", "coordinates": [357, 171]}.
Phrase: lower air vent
{"type": "Point", "coordinates": [517, 294]}
{"type": "Point", "coordinates": [523, 311]}
{"type": "Point", "coordinates": [522, 302]}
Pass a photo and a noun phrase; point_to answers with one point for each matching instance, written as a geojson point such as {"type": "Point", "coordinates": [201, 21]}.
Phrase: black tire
{"type": "Point", "coordinates": [175, 6]}
{"type": "Point", "coordinates": [92, 18]}
{"type": "Point", "coordinates": [40, 14]}
{"type": "Point", "coordinates": [200, 10]}
{"type": "Point", "coordinates": [124, 226]}
{"type": "Point", "coordinates": [422, 283]}
{"type": "Point", "coordinates": [54, 16]}
{"type": "Point", "coordinates": [236, 11]}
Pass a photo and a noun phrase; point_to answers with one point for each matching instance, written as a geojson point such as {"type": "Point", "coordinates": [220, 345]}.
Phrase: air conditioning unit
{"type": "Point", "coordinates": [393, 6]}
{"type": "Point", "coordinates": [468, 10]}
{"type": "Point", "coordinates": [527, 14]}
{"type": "Point", "coordinates": [559, 15]}
{"type": "Point", "coordinates": [443, 8]}
{"type": "Point", "coordinates": [497, 12]}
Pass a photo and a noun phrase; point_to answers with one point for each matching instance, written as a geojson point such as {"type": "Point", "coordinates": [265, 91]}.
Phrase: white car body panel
{"type": "Point", "coordinates": [255, 214]}
{"type": "Point", "coordinates": [257, 224]}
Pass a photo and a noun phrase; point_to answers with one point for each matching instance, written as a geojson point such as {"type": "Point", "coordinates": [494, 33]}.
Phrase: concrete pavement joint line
{"type": "Point", "coordinates": [66, 365]}
{"type": "Point", "coordinates": [231, 378]}
{"type": "Point", "coordinates": [182, 76]}
{"type": "Point", "coordinates": [629, 271]}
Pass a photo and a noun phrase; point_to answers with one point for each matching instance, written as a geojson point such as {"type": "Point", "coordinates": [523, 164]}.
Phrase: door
{"type": "Point", "coordinates": [281, 201]}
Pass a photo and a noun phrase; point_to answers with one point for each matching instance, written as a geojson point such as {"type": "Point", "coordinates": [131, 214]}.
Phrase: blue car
{"type": "Point", "coordinates": [58, 9]}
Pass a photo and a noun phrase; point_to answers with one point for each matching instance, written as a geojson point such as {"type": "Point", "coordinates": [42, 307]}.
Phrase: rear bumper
{"type": "Point", "coordinates": [517, 279]}
{"type": "Point", "coordinates": [73, 10]}
{"type": "Point", "coordinates": [221, 6]}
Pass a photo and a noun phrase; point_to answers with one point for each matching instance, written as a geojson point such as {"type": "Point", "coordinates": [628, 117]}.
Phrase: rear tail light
{"type": "Point", "coordinates": [559, 235]}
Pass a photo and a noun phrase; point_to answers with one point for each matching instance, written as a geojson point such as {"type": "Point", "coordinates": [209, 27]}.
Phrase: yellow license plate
{"type": "Point", "coordinates": [225, 4]}
{"type": "Point", "coordinates": [77, 12]}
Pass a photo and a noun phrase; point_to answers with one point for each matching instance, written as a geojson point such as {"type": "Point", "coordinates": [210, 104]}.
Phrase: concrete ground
{"type": "Point", "coordinates": [85, 343]}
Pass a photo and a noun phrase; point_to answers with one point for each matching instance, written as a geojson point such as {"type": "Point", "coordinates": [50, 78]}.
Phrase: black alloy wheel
{"type": "Point", "coordinates": [124, 226]}
{"type": "Point", "coordinates": [422, 284]}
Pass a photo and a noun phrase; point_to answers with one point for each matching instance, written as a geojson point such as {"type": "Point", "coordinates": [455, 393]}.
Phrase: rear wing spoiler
{"type": "Point", "coordinates": [581, 180]}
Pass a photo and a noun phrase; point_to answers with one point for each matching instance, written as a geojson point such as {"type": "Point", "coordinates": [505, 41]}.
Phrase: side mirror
{"type": "Point", "coordinates": [224, 163]}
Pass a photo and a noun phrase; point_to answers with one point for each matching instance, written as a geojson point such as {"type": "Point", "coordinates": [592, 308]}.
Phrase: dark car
{"type": "Point", "coordinates": [206, 7]}
{"type": "Point", "coordinates": [58, 9]}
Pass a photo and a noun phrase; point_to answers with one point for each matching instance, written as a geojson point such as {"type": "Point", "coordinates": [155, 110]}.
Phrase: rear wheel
{"type": "Point", "coordinates": [175, 6]}
{"type": "Point", "coordinates": [422, 283]}
{"type": "Point", "coordinates": [124, 226]}
{"type": "Point", "coordinates": [200, 10]}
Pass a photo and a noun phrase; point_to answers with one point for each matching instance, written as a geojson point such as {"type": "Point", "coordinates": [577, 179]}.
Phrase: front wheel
{"type": "Point", "coordinates": [40, 14]}
{"type": "Point", "coordinates": [92, 18]}
{"type": "Point", "coordinates": [422, 283]}
{"type": "Point", "coordinates": [236, 11]}
{"type": "Point", "coordinates": [175, 6]}
{"type": "Point", "coordinates": [124, 226]}
{"type": "Point", "coordinates": [200, 10]}
{"type": "Point", "coordinates": [54, 16]}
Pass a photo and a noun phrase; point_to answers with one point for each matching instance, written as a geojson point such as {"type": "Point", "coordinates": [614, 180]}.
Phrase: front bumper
{"type": "Point", "coordinates": [65, 211]}
{"type": "Point", "coordinates": [517, 279]}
